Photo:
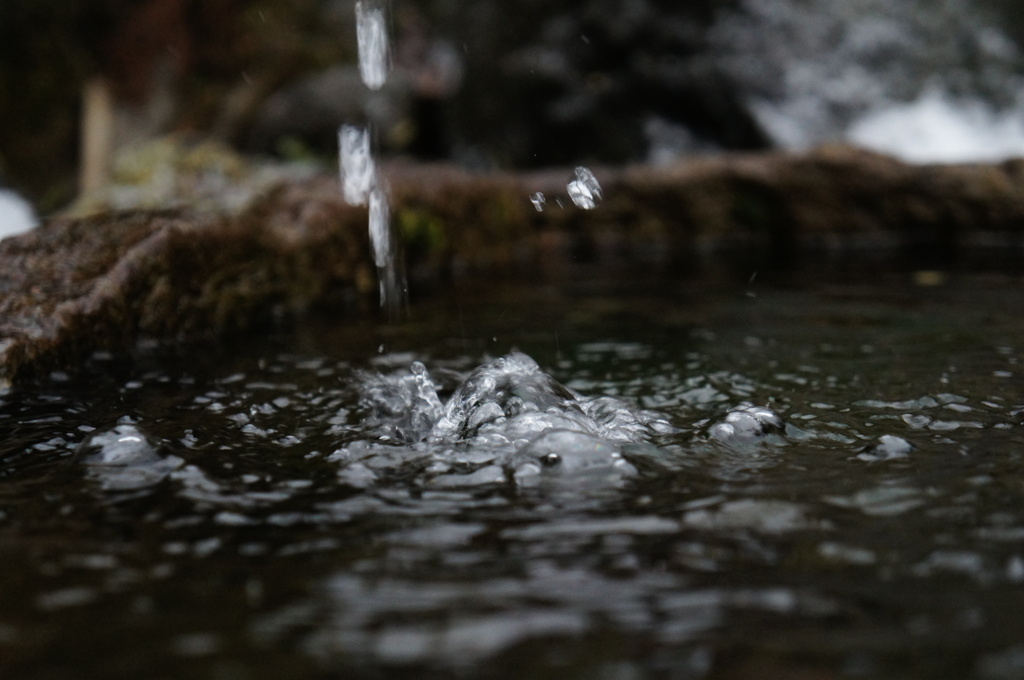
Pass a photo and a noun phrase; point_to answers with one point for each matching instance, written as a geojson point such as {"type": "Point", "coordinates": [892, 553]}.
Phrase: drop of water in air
{"type": "Point", "coordinates": [372, 36]}
{"type": "Point", "coordinates": [380, 233]}
{"type": "Point", "coordinates": [386, 255]}
{"type": "Point", "coordinates": [355, 162]}
{"type": "Point", "coordinates": [538, 201]}
{"type": "Point", "coordinates": [584, 191]}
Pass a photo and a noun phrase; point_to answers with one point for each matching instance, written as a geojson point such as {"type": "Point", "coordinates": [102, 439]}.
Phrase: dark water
{"type": "Point", "coordinates": [253, 511]}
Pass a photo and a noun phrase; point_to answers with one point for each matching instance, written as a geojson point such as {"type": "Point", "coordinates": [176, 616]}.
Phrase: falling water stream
{"type": "Point", "coordinates": [362, 184]}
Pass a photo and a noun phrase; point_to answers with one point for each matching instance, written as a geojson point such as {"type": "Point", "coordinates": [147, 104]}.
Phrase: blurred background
{"type": "Point", "coordinates": [499, 84]}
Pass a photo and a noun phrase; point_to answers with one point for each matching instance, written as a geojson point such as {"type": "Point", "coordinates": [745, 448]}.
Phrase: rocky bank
{"type": "Point", "coordinates": [75, 286]}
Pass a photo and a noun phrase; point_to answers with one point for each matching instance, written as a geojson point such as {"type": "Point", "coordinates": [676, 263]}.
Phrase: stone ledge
{"type": "Point", "coordinates": [74, 286]}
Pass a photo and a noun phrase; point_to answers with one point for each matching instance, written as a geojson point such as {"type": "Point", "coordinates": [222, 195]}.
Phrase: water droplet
{"type": "Point", "coordinates": [538, 201]}
{"type": "Point", "coordinates": [372, 37]}
{"type": "Point", "coordinates": [355, 163]}
{"type": "Point", "coordinates": [380, 232]}
{"type": "Point", "coordinates": [584, 191]}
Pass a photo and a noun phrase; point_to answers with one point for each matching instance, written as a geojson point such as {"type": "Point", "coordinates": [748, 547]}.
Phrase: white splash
{"type": "Point", "coordinates": [372, 37]}
{"type": "Point", "coordinates": [355, 163]}
{"type": "Point", "coordinates": [16, 215]}
{"type": "Point", "coordinates": [123, 459]}
{"type": "Point", "coordinates": [584, 191]}
{"type": "Point", "coordinates": [937, 128]}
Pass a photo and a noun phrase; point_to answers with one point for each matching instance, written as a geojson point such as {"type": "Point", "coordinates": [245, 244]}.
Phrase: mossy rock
{"type": "Point", "coordinates": [76, 285]}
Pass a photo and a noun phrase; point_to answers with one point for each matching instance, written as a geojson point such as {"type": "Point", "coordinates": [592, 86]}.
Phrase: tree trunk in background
{"type": "Point", "coordinates": [97, 135]}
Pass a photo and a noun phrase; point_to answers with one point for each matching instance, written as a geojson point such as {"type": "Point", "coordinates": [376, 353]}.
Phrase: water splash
{"type": "Point", "coordinates": [939, 128]}
{"type": "Point", "coordinates": [538, 201]}
{"type": "Point", "coordinates": [372, 36]}
{"type": "Point", "coordinates": [889, 77]}
{"type": "Point", "coordinates": [584, 191]}
{"type": "Point", "coordinates": [124, 459]}
{"type": "Point", "coordinates": [506, 420]}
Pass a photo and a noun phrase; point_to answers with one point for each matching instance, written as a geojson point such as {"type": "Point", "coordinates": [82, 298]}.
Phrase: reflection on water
{"type": "Point", "coordinates": [661, 483]}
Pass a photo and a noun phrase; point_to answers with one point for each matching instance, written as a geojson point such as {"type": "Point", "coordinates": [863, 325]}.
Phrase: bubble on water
{"type": "Point", "coordinates": [747, 424]}
{"type": "Point", "coordinates": [1015, 569]}
{"type": "Point", "coordinates": [195, 644]}
{"type": "Point", "coordinates": [918, 404]}
{"type": "Point", "coordinates": [560, 453]}
{"type": "Point", "coordinates": [763, 515]}
{"type": "Point", "coordinates": [538, 200]}
{"type": "Point", "coordinates": [403, 407]}
{"type": "Point", "coordinates": [489, 474]}
{"type": "Point", "coordinates": [839, 552]}
{"type": "Point", "coordinates": [584, 191]}
{"type": "Point", "coordinates": [966, 562]}
{"type": "Point", "coordinates": [372, 39]}
{"type": "Point", "coordinates": [889, 447]}
{"type": "Point", "coordinates": [123, 459]}
{"type": "Point", "coordinates": [916, 420]}
{"type": "Point", "coordinates": [881, 501]}
{"type": "Point", "coordinates": [950, 425]}
{"type": "Point", "coordinates": [67, 597]}
{"type": "Point", "coordinates": [356, 165]}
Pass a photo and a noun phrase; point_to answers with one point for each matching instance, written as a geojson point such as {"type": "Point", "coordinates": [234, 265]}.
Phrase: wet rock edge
{"type": "Point", "coordinates": [74, 286]}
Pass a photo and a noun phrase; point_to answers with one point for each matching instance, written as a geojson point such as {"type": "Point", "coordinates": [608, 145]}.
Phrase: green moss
{"type": "Point", "coordinates": [422, 232]}
{"type": "Point", "coordinates": [757, 208]}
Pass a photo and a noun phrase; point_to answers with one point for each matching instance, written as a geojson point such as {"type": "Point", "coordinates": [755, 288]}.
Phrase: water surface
{"type": "Point", "coordinates": [269, 508]}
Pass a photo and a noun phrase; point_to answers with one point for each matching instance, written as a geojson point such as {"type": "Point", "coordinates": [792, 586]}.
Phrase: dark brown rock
{"type": "Point", "coordinates": [75, 286]}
